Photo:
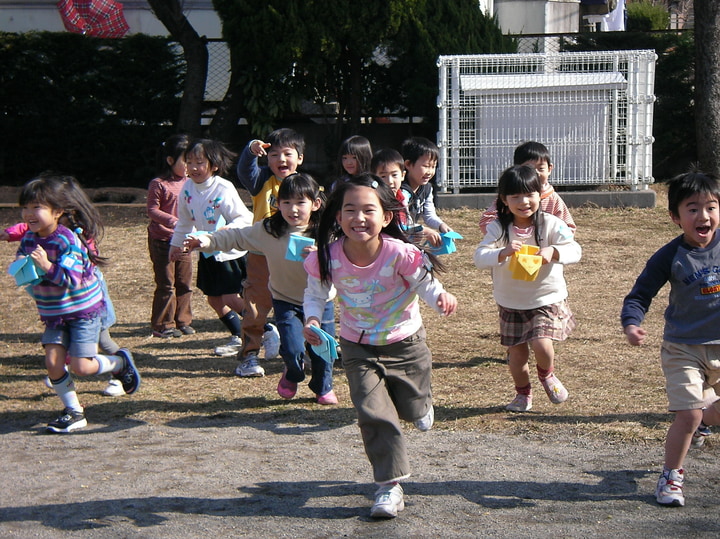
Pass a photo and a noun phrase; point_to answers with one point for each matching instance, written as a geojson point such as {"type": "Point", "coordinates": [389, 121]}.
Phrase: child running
{"type": "Point", "coordinates": [535, 155]}
{"type": "Point", "coordinates": [533, 313]}
{"type": "Point", "coordinates": [691, 340]}
{"type": "Point", "coordinates": [299, 205]}
{"type": "Point", "coordinates": [378, 275]}
{"type": "Point", "coordinates": [171, 313]}
{"type": "Point", "coordinates": [70, 297]}
{"type": "Point", "coordinates": [208, 202]}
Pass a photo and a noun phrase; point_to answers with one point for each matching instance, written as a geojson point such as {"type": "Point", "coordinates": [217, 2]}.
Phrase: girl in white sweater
{"type": "Point", "coordinates": [533, 313]}
{"type": "Point", "coordinates": [300, 203]}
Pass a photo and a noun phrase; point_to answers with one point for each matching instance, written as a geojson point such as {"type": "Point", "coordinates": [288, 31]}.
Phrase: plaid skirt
{"type": "Point", "coordinates": [554, 322]}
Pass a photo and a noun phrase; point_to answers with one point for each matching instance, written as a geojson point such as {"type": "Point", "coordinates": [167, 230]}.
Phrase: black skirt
{"type": "Point", "coordinates": [219, 278]}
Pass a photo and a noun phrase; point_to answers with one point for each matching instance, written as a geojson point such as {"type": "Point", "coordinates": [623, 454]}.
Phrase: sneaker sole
{"type": "Point", "coordinates": [249, 375]}
{"type": "Point", "coordinates": [131, 365]}
{"type": "Point", "coordinates": [227, 353]}
{"type": "Point", "coordinates": [384, 512]}
{"type": "Point", "coordinates": [75, 426]}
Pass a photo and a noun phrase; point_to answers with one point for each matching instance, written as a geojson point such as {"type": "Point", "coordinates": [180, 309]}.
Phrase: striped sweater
{"type": "Point", "coordinates": [70, 289]}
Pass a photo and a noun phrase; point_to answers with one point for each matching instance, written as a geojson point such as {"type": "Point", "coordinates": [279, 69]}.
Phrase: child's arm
{"type": "Point", "coordinates": [316, 296]}
{"type": "Point", "coordinates": [556, 206]}
{"type": "Point", "coordinates": [154, 196]}
{"type": "Point", "coordinates": [431, 218]}
{"type": "Point", "coordinates": [636, 304]}
{"type": "Point", "coordinates": [14, 232]}
{"type": "Point", "coordinates": [490, 252]}
{"type": "Point", "coordinates": [488, 216]}
{"type": "Point", "coordinates": [563, 248]}
{"type": "Point", "coordinates": [432, 292]}
{"type": "Point", "coordinates": [224, 240]}
{"type": "Point", "coordinates": [251, 175]}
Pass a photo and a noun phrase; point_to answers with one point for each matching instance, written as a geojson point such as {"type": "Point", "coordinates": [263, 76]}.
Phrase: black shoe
{"type": "Point", "coordinates": [68, 421]}
{"type": "Point", "coordinates": [129, 376]}
{"type": "Point", "coordinates": [187, 330]}
{"type": "Point", "coordinates": [167, 333]}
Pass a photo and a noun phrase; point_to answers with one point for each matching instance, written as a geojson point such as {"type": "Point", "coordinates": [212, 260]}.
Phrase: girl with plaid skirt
{"type": "Point", "coordinates": [533, 310]}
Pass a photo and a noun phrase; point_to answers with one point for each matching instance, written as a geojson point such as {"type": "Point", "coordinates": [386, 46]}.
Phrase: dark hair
{"type": "Point", "coordinates": [415, 147]}
{"type": "Point", "coordinates": [286, 138]}
{"type": "Point", "coordinates": [64, 193]}
{"type": "Point", "coordinates": [515, 180]}
{"type": "Point", "coordinates": [359, 147]}
{"type": "Point", "coordinates": [531, 151]}
{"type": "Point", "coordinates": [329, 229]}
{"type": "Point", "coordinates": [174, 148]}
{"type": "Point", "coordinates": [216, 152]}
{"type": "Point", "coordinates": [296, 185]}
{"type": "Point", "coordinates": [691, 183]}
{"type": "Point", "coordinates": [386, 157]}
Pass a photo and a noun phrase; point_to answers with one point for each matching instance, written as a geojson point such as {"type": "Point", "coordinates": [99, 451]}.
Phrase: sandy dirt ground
{"type": "Point", "coordinates": [226, 476]}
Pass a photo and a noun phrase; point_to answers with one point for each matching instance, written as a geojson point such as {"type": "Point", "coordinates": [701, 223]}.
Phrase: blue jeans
{"type": "Point", "coordinates": [290, 320]}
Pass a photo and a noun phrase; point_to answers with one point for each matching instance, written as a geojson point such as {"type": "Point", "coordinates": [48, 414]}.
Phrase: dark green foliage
{"type": "Point", "coordinates": [674, 116]}
{"type": "Point", "coordinates": [93, 108]}
{"type": "Point", "coordinates": [644, 16]}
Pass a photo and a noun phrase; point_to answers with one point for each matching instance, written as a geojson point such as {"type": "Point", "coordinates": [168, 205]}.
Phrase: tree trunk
{"type": "Point", "coordinates": [707, 84]}
{"type": "Point", "coordinates": [169, 12]}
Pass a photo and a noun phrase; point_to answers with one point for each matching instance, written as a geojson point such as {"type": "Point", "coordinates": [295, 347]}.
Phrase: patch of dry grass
{"type": "Point", "coordinates": [616, 391]}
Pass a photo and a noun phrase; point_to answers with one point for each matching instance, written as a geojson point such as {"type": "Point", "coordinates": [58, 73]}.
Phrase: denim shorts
{"type": "Point", "coordinates": [79, 337]}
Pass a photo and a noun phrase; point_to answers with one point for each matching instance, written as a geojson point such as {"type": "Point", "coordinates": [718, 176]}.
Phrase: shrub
{"type": "Point", "coordinates": [644, 16]}
{"type": "Point", "coordinates": [93, 108]}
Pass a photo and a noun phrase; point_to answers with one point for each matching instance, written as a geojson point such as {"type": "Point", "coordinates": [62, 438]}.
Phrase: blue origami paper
{"type": "Point", "coordinates": [448, 244]}
{"type": "Point", "coordinates": [25, 271]}
{"type": "Point", "coordinates": [327, 349]}
{"type": "Point", "coordinates": [296, 245]}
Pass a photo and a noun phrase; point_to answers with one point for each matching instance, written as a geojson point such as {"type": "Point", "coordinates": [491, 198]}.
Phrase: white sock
{"type": "Point", "coordinates": [65, 389]}
{"type": "Point", "coordinates": [107, 363]}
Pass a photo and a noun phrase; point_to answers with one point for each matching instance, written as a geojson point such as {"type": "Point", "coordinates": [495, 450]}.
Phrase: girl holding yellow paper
{"type": "Point", "coordinates": [526, 249]}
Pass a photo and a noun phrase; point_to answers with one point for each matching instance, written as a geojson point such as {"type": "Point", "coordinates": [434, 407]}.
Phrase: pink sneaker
{"type": "Point", "coordinates": [554, 389]}
{"type": "Point", "coordinates": [286, 389]}
{"type": "Point", "coordinates": [327, 398]}
{"type": "Point", "coordinates": [521, 403]}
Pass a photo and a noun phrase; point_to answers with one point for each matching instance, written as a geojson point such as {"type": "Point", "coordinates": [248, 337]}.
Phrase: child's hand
{"type": "Point", "coordinates": [635, 334]}
{"type": "Point", "coordinates": [310, 336]}
{"type": "Point", "coordinates": [307, 250]}
{"type": "Point", "coordinates": [510, 249]}
{"type": "Point", "coordinates": [257, 148]}
{"type": "Point", "coordinates": [191, 243]}
{"type": "Point", "coordinates": [432, 236]}
{"type": "Point", "coordinates": [548, 254]}
{"type": "Point", "coordinates": [444, 228]}
{"type": "Point", "coordinates": [39, 256]}
{"type": "Point", "coordinates": [447, 303]}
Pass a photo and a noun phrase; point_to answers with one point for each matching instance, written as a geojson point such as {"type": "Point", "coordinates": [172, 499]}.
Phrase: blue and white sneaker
{"type": "Point", "coordinates": [698, 437]}
{"type": "Point", "coordinates": [271, 341]}
{"type": "Point", "coordinates": [129, 376]}
{"type": "Point", "coordinates": [68, 421]}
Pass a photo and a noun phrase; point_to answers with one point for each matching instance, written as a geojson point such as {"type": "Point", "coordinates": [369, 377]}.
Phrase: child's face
{"type": "Point", "coordinates": [179, 167]}
{"type": "Point", "coordinates": [297, 210]}
{"type": "Point", "coordinates": [199, 168]}
{"type": "Point", "coordinates": [523, 206]}
{"type": "Point", "coordinates": [543, 169]}
{"type": "Point", "coordinates": [391, 174]}
{"type": "Point", "coordinates": [698, 216]}
{"type": "Point", "coordinates": [283, 161]}
{"type": "Point", "coordinates": [40, 218]}
{"type": "Point", "coordinates": [361, 216]}
{"type": "Point", "coordinates": [350, 164]}
{"type": "Point", "coordinates": [421, 171]}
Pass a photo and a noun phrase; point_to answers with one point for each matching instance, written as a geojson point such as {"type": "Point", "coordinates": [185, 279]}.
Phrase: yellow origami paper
{"type": "Point", "coordinates": [525, 264]}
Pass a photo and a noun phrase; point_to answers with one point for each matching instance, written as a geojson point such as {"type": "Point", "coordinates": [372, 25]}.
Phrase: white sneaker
{"type": "Point", "coordinates": [114, 388]}
{"type": "Point", "coordinates": [229, 349]}
{"type": "Point", "coordinates": [271, 341]}
{"type": "Point", "coordinates": [425, 423]}
{"type": "Point", "coordinates": [388, 501]}
{"type": "Point", "coordinates": [669, 489]}
{"type": "Point", "coordinates": [249, 367]}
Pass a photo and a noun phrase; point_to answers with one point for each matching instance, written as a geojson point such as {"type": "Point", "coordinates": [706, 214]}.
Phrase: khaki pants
{"type": "Point", "coordinates": [388, 383]}
{"type": "Point", "coordinates": [258, 303]}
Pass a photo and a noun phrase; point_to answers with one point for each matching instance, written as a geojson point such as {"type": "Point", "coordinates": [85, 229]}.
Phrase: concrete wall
{"type": "Point", "coordinates": [538, 16]}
